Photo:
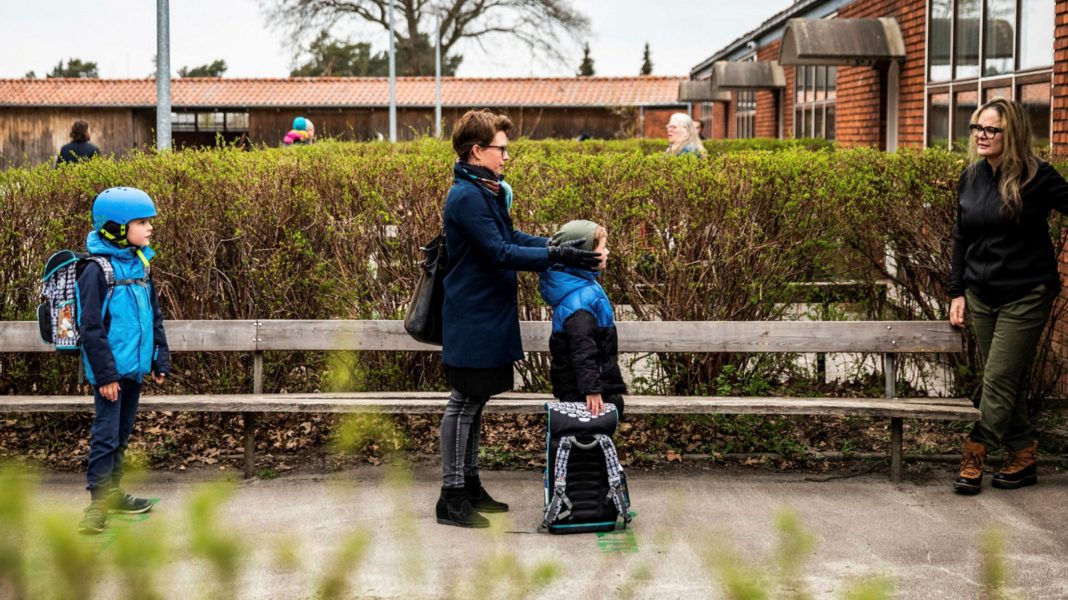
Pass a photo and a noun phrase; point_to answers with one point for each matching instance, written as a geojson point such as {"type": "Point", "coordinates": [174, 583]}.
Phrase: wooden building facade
{"type": "Point", "coordinates": [36, 115]}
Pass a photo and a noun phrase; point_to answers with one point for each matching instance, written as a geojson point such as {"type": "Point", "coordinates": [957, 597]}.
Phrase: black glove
{"type": "Point", "coordinates": [568, 254]}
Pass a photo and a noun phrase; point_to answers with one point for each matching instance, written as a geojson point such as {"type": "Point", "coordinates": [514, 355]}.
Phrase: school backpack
{"type": "Point", "coordinates": [585, 487]}
{"type": "Point", "coordinates": [57, 315]}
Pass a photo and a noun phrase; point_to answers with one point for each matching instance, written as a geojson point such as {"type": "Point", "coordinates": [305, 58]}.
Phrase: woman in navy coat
{"type": "Point", "coordinates": [481, 315]}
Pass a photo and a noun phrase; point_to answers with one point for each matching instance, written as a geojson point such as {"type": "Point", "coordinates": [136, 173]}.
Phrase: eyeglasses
{"type": "Point", "coordinates": [981, 131]}
{"type": "Point", "coordinates": [503, 149]}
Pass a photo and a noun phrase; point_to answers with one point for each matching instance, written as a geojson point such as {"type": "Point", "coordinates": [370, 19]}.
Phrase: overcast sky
{"type": "Point", "coordinates": [120, 36]}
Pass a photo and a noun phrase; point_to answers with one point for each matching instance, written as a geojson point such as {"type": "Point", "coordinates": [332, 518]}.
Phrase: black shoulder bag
{"type": "Point", "coordinates": [423, 319]}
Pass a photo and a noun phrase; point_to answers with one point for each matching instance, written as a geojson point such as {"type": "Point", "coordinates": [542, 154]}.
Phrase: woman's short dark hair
{"type": "Point", "coordinates": [79, 132]}
{"type": "Point", "coordinates": [477, 128]}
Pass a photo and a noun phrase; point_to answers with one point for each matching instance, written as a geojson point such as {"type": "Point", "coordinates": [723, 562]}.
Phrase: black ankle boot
{"type": "Point", "coordinates": [455, 509]}
{"type": "Point", "coordinates": [480, 498]}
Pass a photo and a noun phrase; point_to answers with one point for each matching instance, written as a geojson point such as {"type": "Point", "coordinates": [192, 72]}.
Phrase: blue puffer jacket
{"type": "Point", "coordinates": [122, 331]}
{"type": "Point", "coordinates": [584, 345]}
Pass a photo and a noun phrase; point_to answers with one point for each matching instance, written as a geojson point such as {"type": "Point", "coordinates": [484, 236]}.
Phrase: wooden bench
{"type": "Point", "coordinates": [887, 338]}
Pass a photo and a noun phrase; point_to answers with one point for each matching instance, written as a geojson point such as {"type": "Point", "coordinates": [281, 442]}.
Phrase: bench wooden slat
{"type": "Point", "coordinates": [634, 336]}
{"type": "Point", "coordinates": [959, 409]}
{"type": "Point", "coordinates": [182, 336]}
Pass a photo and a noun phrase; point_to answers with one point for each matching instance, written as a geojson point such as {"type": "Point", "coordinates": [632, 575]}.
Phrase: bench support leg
{"type": "Point", "coordinates": [250, 418]}
{"type": "Point", "coordinates": [896, 431]}
{"type": "Point", "coordinates": [250, 444]}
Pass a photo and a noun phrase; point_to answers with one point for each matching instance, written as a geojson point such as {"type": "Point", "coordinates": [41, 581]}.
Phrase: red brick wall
{"type": "Point", "coordinates": [860, 118]}
{"type": "Point", "coordinates": [767, 103]}
{"type": "Point", "coordinates": [719, 121]}
{"type": "Point", "coordinates": [1060, 81]}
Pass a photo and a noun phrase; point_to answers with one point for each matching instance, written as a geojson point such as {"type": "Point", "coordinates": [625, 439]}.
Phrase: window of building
{"type": "Point", "coordinates": [209, 121]}
{"type": "Point", "coordinates": [745, 114]}
{"type": "Point", "coordinates": [815, 91]}
{"type": "Point", "coordinates": [706, 120]}
{"type": "Point", "coordinates": [982, 49]}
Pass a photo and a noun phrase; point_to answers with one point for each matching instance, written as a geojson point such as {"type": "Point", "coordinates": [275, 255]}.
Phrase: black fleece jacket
{"type": "Point", "coordinates": [1001, 258]}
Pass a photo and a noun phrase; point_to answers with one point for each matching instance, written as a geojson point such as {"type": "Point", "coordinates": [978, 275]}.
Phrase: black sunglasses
{"type": "Point", "coordinates": [989, 131]}
{"type": "Point", "coordinates": [503, 149]}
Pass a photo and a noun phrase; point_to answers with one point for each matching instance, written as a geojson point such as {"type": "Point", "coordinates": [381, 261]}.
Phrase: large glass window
{"type": "Point", "coordinates": [1036, 97]}
{"type": "Point", "coordinates": [938, 120]}
{"type": "Point", "coordinates": [815, 93]}
{"type": "Point", "coordinates": [1036, 33]}
{"type": "Point", "coordinates": [209, 121]}
{"type": "Point", "coordinates": [745, 114]}
{"type": "Point", "coordinates": [964, 104]}
{"type": "Point", "coordinates": [998, 37]}
{"type": "Point", "coordinates": [941, 69]}
{"type": "Point", "coordinates": [982, 49]}
{"type": "Point", "coordinates": [966, 39]}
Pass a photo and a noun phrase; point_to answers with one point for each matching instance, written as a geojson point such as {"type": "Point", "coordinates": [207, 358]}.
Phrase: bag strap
{"type": "Point", "coordinates": [553, 511]}
{"type": "Point", "coordinates": [615, 477]}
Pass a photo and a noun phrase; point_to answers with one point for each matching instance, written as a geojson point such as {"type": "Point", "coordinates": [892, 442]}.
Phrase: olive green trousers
{"type": "Point", "coordinates": [1008, 337]}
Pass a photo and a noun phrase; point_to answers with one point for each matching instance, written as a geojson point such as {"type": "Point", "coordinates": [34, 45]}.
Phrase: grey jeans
{"type": "Point", "coordinates": [460, 435]}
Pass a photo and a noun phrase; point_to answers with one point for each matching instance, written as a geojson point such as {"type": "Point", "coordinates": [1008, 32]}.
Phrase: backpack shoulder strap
{"type": "Point", "coordinates": [616, 492]}
{"type": "Point", "coordinates": [555, 511]}
{"type": "Point", "coordinates": [105, 266]}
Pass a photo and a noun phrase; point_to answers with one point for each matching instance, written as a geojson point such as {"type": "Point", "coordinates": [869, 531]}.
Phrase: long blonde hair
{"type": "Point", "coordinates": [689, 137]}
{"type": "Point", "coordinates": [1018, 162]}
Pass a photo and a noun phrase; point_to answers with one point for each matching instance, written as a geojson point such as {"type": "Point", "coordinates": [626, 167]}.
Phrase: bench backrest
{"type": "Point", "coordinates": [634, 336]}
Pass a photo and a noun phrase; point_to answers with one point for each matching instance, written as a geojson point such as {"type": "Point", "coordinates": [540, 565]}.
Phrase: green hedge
{"type": "Point", "coordinates": [332, 231]}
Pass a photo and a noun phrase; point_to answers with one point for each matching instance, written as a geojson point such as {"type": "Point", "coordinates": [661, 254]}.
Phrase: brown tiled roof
{"type": "Point", "coordinates": [345, 92]}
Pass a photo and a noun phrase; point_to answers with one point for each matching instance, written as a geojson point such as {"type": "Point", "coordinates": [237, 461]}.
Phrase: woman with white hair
{"type": "Point", "coordinates": [682, 136]}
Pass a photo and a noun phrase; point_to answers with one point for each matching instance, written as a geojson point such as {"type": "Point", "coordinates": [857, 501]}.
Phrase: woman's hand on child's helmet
{"type": "Point", "coordinates": [595, 404]}
{"type": "Point", "coordinates": [569, 255]}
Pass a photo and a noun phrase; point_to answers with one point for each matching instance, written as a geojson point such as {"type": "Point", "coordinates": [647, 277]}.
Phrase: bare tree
{"type": "Point", "coordinates": [542, 25]}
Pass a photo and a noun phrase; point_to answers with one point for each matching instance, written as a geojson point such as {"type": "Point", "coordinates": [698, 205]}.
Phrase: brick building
{"type": "Point", "coordinates": [888, 73]}
{"type": "Point", "coordinates": [36, 114]}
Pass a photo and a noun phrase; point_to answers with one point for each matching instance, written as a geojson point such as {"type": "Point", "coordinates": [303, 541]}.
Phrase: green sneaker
{"type": "Point", "coordinates": [121, 502]}
{"type": "Point", "coordinates": [95, 519]}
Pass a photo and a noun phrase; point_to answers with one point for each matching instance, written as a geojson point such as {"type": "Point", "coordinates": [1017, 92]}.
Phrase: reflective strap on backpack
{"type": "Point", "coordinates": [553, 511]}
{"type": "Point", "coordinates": [615, 477]}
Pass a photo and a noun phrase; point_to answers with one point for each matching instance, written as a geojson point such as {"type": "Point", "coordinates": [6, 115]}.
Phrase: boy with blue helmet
{"type": "Point", "coordinates": [122, 341]}
{"type": "Point", "coordinates": [583, 346]}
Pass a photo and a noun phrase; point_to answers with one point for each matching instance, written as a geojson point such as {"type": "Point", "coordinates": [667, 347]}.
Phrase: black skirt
{"type": "Point", "coordinates": [481, 383]}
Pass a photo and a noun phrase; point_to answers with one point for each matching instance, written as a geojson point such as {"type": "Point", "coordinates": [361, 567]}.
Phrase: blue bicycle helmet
{"type": "Point", "coordinates": [115, 207]}
{"type": "Point", "coordinates": [300, 124]}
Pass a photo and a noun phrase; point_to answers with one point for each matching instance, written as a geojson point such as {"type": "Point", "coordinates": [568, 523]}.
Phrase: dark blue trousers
{"type": "Point", "coordinates": [112, 425]}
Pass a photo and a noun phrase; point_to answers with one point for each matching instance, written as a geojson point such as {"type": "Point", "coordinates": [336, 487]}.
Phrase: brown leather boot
{"type": "Point", "coordinates": [1021, 471]}
{"type": "Point", "coordinates": [970, 480]}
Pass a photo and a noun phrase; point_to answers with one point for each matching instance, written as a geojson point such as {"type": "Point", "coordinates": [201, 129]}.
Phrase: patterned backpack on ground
{"type": "Point", "coordinates": [585, 487]}
{"type": "Point", "coordinates": [57, 314]}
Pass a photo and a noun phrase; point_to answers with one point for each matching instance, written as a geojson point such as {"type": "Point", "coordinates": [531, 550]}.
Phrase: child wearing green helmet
{"type": "Point", "coordinates": [122, 341]}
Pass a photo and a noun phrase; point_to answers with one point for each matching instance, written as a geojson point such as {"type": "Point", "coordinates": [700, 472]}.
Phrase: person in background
{"type": "Point", "coordinates": [79, 147]}
{"type": "Point", "coordinates": [300, 134]}
{"type": "Point", "coordinates": [1004, 278]}
{"type": "Point", "coordinates": [682, 136]}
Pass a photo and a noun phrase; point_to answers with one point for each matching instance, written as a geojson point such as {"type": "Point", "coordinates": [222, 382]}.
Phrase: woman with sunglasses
{"type": "Point", "coordinates": [480, 316]}
{"type": "Point", "coordinates": [1004, 278]}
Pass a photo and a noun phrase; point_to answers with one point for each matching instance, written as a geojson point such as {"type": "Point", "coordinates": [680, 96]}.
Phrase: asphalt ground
{"type": "Point", "coordinates": [371, 532]}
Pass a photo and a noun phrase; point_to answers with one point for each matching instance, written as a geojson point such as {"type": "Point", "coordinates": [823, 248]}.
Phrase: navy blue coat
{"type": "Point", "coordinates": [480, 318]}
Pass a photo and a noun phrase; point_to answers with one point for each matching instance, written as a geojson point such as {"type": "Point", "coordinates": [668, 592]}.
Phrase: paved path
{"type": "Point", "coordinates": [919, 534]}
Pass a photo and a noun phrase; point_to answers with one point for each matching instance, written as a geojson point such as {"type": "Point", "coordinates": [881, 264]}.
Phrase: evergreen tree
{"type": "Point", "coordinates": [586, 68]}
{"type": "Point", "coordinates": [75, 68]}
{"type": "Point", "coordinates": [215, 69]}
{"type": "Point", "coordinates": [647, 62]}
